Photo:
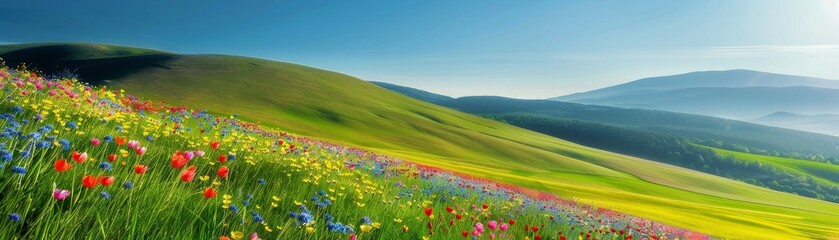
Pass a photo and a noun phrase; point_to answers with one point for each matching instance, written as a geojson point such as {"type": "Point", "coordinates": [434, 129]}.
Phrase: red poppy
{"type": "Point", "coordinates": [61, 165]}
{"type": "Point", "coordinates": [280, 142]}
{"type": "Point", "coordinates": [112, 157]}
{"type": "Point", "coordinates": [537, 237]}
{"type": "Point", "coordinates": [485, 206]}
{"type": "Point", "coordinates": [223, 171]}
{"type": "Point", "coordinates": [214, 145]}
{"type": "Point", "coordinates": [141, 151]}
{"type": "Point", "coordinates": [209, 192]}
{"type": "Point", "coordinates": [89, 181]}
{"type": "Point", "coordinates": [106, 181]}
{"type": "Point", "coordinates": [140, 169]}
{"type": "Point", "coordinates": [178, 160]}
{"type": "Point", "coordinates": [222, 158]}
{"type": "Point", "coordinates": [188, 174]}
{"type": "Point", "coordinates": [428, 211]}
{"type": "Point", "coordinates": [465, 233]}
{"type": "Point", "coordinates": [458, 216]}
{"type": "Point", "coordinates": [511, 222]}
{"type": "Point", "coordinates": [79, 157]}
{"type": "Point", "coordinates": [534, 228]}
{"type": "Point", "coordinates": [120, 140]}
{"type": "Point", "coordinates": [449, 209]}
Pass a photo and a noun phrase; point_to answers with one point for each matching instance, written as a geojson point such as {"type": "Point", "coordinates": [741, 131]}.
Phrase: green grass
{"type": "Point", "coordinates": [271, 176]}
{"type": "Point", "coordinates": [823, 172]}
{"type": "Point", "coordinates": [344, 109]}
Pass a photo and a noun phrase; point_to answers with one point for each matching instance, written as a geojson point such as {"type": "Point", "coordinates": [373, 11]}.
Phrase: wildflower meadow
{"type": "Point", "coordinates": [83, 162]}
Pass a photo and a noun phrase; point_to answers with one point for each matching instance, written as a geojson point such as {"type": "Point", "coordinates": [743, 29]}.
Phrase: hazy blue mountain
{"type": "Point", "coordinates": [738, 78]}
{"type": "Point", "coordinates": [823, 123]}
{"type": "Point", "coordinates": [736, 94]}
{"type": "Point", "coordinates": [734, 103]}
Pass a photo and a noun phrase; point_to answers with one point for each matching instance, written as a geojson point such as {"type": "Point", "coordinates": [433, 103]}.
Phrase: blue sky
{"type": "Point", "coordinates": [525, 49]}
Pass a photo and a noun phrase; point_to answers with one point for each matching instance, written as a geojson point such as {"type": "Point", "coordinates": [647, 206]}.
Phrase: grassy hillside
{"type": "Point", "coordinates": [821, 172]}
{"type": "Point", "coordinates": [82, 162]}
{"type": "Point", "coordinates": [661, 136]}
{"type": "Point", "coordinates": [726, 133]}
{"type": "Point", "coordinates": [341, 108]}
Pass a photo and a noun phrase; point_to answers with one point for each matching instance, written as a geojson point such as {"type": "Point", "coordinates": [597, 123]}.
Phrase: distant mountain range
{"type": "Point", "coordinates": [734, 94]}
{"type": "Point", "coordinates": [822, 123]}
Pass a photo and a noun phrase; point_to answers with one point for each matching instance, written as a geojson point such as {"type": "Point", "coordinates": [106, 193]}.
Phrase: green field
{"type": "Point", "coordinates": [344, 109]}
{"type": "Point", "coordinates": [822, 172]}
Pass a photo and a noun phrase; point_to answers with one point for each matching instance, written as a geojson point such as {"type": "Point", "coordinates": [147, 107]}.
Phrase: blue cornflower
{"type": "Point", "coordinates": [262, 181]}
{"type": "Point", "coordinates": [257, 217]}
{"type": "Point", "coordinates": [7, 116]}
{"type": "Point", "coordinates": [42, 144]}
{"type": "Point", "coordinates": [366, 220]}
{"type": "Point", "coordinates": [303, 217]}
{"type": "Point", "coordinates": [231, 157]}
{"type": "Point", "coordinates": [329, 217]}
{"type": "Point", "coordinates": [17, 109]}
{"type": "Point", "coordinates": [118, 128]}
{"type": "Point", "coordinates": [338, 227]}
{"type": "Point", "coordinates": [34, 135]}
{"type": "Point", "coordinates": [6, 155]}
{"type": "Point", "coordinates": [108, 138]}
{"type": "Point", "coordinates": [71, 125]}
{"type": "Point", "coordinates": [45, 129]}
{"type": "Point", "coordinates": [247, 203]}
{"type": "Point", "coordinates": [105, 195]}
{"type": "Point", "coordinates": [65, 144]}
{"type": "Point", "coordinates": [149, 138]}
{"type": "Point", "coordinates": [24, 153]}
{"type": "Point", "coordinates": [128, 185]}
{"type": "Point", "coordinates": [19, 170]}
{"type": "Point", "coordinates": [106, 166]}
{"type": "Point", "coordinates": [234, 209]}
{"type": "Point", "coordinates": [14, 217]}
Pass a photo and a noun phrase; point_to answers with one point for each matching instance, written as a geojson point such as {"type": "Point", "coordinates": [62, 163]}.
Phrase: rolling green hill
{"type": "Point", "coordinates": [820, 172]}
{"type": "Point", "coordinates": [724, 133]}
{"type": "Point", "coordinates": [666, 137]}
{"type": "Point", "coordinates": [345, 109]}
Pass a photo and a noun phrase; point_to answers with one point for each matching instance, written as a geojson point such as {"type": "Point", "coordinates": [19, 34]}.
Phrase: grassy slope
{"type": "Point", "coordinates": [826, 173]}
{"type": "Point", "coordinates": [341, 108]}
